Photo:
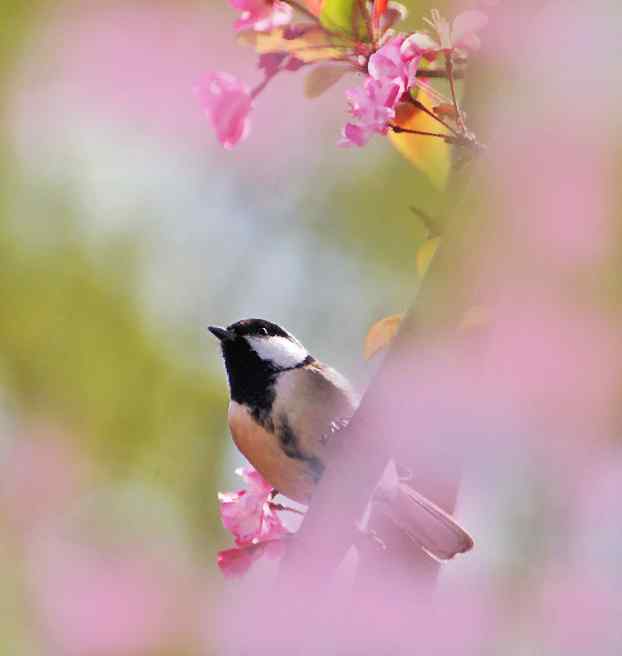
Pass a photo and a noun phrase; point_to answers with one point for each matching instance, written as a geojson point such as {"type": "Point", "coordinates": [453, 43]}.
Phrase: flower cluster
{"type": "Point", "coordinates": [251, 518]}
{"type": "Point", "coordinates": [390, 74]}
{"type": "Point", "coordinates": [227, 103]}
{"type": "Point", "coordinates": [395, 66]}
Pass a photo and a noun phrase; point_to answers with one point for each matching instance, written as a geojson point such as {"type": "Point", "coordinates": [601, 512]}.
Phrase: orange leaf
{"type": "Point", "coordinates": [381, 334]}
{"type": "Point", "coordinates": [431, 155]}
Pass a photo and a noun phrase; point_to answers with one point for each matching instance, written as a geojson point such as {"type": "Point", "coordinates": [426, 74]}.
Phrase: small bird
{"type": "Point", "coordinates": [284, 406]}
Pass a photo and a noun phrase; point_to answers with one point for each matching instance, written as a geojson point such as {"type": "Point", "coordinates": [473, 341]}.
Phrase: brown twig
{"type": "Point", "coordinates": [397, 129]}
{"type": "Point", "coordinates": [449, 67]}
{"type": "Point", "coordinates": [457, 140]}
{"type": "Point", "coordinates": [429, 112]}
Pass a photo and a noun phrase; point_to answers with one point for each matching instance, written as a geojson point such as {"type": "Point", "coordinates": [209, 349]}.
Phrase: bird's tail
{"type": "Point", "coordinates": [435, 531]}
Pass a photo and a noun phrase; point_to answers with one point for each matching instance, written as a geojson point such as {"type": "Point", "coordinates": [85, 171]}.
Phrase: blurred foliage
{"type": "Point", "coordinates": [16, 18]}
{"type": "Point", "coordinates": [79, 349]}
{"type": "Point", "coordinates": [379, 222]}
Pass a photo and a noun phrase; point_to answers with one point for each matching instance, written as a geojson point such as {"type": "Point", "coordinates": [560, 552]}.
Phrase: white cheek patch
{"type": "Point", "coordinates": [282, 352]}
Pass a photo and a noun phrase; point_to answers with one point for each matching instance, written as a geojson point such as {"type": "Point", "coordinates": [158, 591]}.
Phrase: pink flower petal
{"type": "Point", "coordinates": [387, 63]}
{"type": "Point", "coordinates": [419, 44]}
{"type": "Point", "coordinates": [227, 103]}
{"type": "Point", "coordinates": [353, 135]}
{"type": "Point", "coordinates": [373, 104]}
{"type": "Point", "coordinates": [255, 481]}
{"type": "Point", "coordinates": [235, 562]}
{"type": "Point", "coordinates": [260, 15]}
{"type": "Point", "coordinates": [247, 514]}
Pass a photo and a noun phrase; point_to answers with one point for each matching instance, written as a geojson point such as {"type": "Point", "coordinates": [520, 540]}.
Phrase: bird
{"type": "Point", "coordinates": [284, 407]}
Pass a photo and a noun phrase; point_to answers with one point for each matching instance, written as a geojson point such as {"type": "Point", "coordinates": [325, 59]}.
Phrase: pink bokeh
{"type": "Point", "coordinates": [139, 63]}
{"type": "Point", "coordinates": [39, 478]}
{"type": "Point", "coordinates": [109, 602]}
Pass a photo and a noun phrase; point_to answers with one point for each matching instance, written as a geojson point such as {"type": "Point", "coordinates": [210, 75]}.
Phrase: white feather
{"type": "Point", "coordinates": [281, 351]}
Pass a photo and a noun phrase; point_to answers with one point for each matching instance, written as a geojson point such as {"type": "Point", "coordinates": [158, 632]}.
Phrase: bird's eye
{"type": "Point", "coordinates": [263, 331]}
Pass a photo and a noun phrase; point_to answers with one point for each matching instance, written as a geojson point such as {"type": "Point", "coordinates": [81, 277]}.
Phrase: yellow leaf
{"type": "Point", "coordinates": [381, 334]}
{"type": "Point", "coordinates": [314, 44]}
{"type": "Point", "coordinates": [425, 254]}
{"type": "Point", "coordinates": [431, 155]}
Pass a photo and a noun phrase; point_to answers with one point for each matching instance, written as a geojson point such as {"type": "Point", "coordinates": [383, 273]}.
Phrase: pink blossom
{"type": "Point", "coordinates": [461, 34]}
{"type": "Point", "coordinates": [261, 15]}
{"type": "Point", "coordinates": [227, 102]}
{"type": "Point", "coordinates": [247, 513]}
{"type": "Point", "coordinates": [256, 527]}
{"type": "Point", "coordinates": [38, 478]}
{"type": "Point", "coordinates": [420, 44]}
{"type": "Point", "coordinates": [389, 63]}
{"type": "Point", "coordinates": [354, 135]}
{"type": "Point", "coordinates": [92, 601]}
{"type": "Point", "coordinates": [373, 104]}
{"type": "Point", "coordinates": [237, 561]}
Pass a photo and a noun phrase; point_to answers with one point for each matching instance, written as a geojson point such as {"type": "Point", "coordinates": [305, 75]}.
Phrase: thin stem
{"type": "Point", "coordinates": [423, 108]}
{"type": "Point", "coordinates": [457, 140]}
{"type": "Point", "coordinates": [449, 66]}
{"type": "Point", "coordinates": [398, 129]}
{"type": "Point", "coordinates": [362, 7]}
{"type": "Point", "coordinates": [262, 85]}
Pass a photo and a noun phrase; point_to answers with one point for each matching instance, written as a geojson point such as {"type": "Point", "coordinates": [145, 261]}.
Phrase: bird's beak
{"type": "Point", "coordinates": [222, 333]}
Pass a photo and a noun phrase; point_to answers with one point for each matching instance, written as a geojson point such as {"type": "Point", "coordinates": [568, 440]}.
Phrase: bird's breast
{"type": "Point", "coordinates": [261, 445]}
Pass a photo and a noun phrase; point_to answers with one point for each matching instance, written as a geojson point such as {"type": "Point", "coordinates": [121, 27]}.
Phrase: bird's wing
{"type": "Point", "coordinates": [309, 399]}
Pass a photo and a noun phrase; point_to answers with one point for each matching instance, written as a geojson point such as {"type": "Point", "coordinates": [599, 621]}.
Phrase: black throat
{"type": "Point", "coordinates": [251, 379]}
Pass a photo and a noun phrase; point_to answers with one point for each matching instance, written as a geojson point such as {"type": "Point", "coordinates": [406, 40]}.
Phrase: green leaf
{"type": "Point", "coordinates": [322, 78]}
{"type": "Point", "coordinates": [344, 16]}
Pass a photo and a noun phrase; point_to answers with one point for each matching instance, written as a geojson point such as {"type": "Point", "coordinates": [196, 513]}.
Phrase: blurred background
{"type": "Point", "coordinates": [125, 229]}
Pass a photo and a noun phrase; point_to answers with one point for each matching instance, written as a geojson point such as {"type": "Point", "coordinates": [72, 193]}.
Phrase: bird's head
{"type": "Point", "coordinates": [251, 346]}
